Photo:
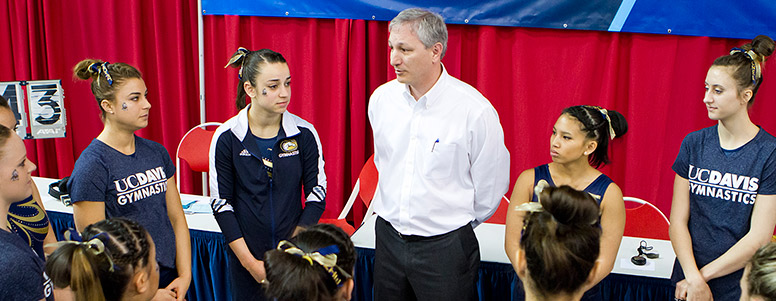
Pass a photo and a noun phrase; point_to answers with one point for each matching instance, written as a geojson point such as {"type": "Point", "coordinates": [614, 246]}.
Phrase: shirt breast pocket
{"type": "Point", "coordinates": [439, 162]}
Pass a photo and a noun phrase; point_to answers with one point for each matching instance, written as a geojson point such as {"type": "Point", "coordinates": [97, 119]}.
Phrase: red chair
{"type": "Point", "coordinates": [194, 148]}
{"type": "Point", "coordinates": [645, 220]}
{"type": "Point", "coordinates": [500, 217]}
{"type": "Point", "coordinates": [365, 187]}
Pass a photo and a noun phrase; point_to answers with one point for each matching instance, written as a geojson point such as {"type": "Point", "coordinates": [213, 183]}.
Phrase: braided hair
{"type": "Point", "coordinates": [291, 277]}
{"type": "Point", "coordinates": [102, 276]}
{"type": "Point", "coordinates": [596, 124]}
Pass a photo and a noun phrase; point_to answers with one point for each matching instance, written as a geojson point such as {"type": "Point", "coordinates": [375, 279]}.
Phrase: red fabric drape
{"type": "Point", "coordinates": [333, 72]}
{"type": "Point", "coordinates": [528, 74]}
{"type": "Point", "coordinates": [45, 39]}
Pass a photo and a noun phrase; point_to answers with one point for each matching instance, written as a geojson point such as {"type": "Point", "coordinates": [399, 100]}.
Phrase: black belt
{"type": "Point", "coordinates": [415, 238]}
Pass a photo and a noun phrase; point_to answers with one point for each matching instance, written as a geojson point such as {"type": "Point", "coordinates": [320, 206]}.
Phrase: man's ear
{"type": "Point", "coordinates": [436, 50]}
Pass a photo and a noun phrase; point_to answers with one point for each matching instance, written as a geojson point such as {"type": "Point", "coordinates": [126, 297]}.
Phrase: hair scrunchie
{"type": "Point", "coordinates": [241, 53]}
{"type": "Point", "coordinates": [751, 55]}
{"type": "Point", "coordinates": [326, 257]}
{"type": "Point", "coordinates": [97, 68]}
{"type": "Point", "coordinates": [605, 115]}
{"type": "Point", "coordinates": [95, 245]}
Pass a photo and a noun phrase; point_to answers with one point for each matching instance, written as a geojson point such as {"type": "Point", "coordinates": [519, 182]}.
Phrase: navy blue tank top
{"type": "Point", "coordinates": [595, 189]}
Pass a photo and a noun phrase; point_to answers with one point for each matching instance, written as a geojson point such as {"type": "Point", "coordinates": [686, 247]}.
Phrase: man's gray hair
{"type": "Point", "coordinates": [429, 26]}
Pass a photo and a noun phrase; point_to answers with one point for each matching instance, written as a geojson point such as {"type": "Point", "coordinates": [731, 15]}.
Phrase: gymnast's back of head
{"type": "Point", "coordinates": [560, 244]}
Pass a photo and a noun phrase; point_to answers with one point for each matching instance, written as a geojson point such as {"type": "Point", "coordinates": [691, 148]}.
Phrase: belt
{"type": "Point", "coordinates": [415, 238]}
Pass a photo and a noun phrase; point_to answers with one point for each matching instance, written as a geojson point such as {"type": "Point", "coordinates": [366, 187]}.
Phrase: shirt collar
{"type": "Point", "coordinates": [433, 94]}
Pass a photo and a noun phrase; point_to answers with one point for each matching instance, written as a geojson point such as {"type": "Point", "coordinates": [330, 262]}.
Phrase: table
{"type": "Point", "coordinates": [498, 281]}
{"type": "Point", "coordinates": [660, 267]}
{"type": "Point", "coordinates": [210, 278]}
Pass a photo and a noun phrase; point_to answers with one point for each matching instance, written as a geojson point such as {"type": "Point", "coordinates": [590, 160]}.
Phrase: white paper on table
{"type": "Point", "coordinates": [194, 207]}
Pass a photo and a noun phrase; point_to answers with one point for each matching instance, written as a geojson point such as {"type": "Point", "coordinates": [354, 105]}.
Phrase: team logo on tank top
{"type": "Point", "coordinates": [725, 186]}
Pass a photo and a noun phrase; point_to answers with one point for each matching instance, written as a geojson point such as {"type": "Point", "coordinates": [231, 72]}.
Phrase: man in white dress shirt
{"type": "Point", "coordinates": [439, 150]}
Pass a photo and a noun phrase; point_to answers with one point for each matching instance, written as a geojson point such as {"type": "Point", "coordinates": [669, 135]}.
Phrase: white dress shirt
{"type": "Point", "coordinates": [441, 160]}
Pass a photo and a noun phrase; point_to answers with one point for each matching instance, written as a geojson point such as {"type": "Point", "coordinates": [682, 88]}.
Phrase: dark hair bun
{"type": "Point", "coordinates": [762, 45]}
{"type": "Point", "coordinates": [619, 124]}
{"type": "Point", "coordinates": [82, 71]}
{"type": "Point", "coordinates": [561, 243]}
{"type": "Point", "coordinates": [570, 206]}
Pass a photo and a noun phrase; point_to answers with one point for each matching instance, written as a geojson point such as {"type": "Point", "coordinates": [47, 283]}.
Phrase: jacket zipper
{"type": "Point", "coordinates": [272, 212]}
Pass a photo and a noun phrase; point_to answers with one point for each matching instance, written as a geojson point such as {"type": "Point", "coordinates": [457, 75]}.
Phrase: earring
{"type": "Point", "coordinates": [586, 153]}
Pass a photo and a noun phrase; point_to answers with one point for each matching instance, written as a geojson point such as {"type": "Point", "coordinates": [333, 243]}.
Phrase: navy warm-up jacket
{"type": "Point", "coordinates": [248, 203]}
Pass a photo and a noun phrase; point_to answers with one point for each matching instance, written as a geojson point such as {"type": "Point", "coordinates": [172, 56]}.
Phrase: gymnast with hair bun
{"type": "Point", "coordinates": [122, 175]}
{"type": "Point", "coordinates": [316, 265]}
{"type": "Point", "coordinates": [724, 202]}
{"type": "Point", "coordinates": [578, 146]}
{"type": "Point", "coordinates": [114, 259]}
{"type": "Point", "coordinates": [559, 243]}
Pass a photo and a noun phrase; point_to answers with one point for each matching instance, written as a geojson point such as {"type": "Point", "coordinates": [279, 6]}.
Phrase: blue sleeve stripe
{"type": "Point", "coordinates": [220, 205]}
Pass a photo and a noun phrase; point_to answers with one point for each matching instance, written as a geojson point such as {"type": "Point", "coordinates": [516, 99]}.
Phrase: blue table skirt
{"type": "Point", "coordinates": [210, 278]}
{"type": "Point", "coordinates": [498, 281]}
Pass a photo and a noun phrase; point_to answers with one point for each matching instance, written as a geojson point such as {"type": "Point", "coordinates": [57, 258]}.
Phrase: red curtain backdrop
{"type": "Point", "coordinates": [45, 39]}
{"type": "Point", "coordinates": [530, 75]}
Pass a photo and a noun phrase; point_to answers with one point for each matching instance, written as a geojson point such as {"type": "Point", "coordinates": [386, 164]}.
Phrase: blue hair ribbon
{"type": "Point", "coordinates": [326, 257]}
{"type": "Point", "coordinates": [107, 75]}
{"type": "Point", "coordinates": [750, 55]}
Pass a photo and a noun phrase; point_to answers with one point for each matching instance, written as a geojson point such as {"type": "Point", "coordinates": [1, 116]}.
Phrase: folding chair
{"type": "Point", "coordinates": [500, 217]}
{"type": "Point", "coordinates": [194, 148]}
{"type": "Point", "coordinates": [645, 220]}
{"type": "Point", "coordinates": [365, 187]}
